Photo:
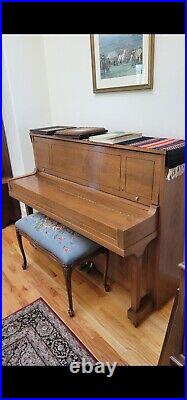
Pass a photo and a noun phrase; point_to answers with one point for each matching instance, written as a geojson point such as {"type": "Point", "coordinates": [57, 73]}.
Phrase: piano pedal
{"type": "Point", "coordinates": [88, 266]}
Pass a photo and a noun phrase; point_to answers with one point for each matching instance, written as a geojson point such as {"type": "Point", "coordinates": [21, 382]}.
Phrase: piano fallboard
{"type": "Point", "coordinates": [114, 223]}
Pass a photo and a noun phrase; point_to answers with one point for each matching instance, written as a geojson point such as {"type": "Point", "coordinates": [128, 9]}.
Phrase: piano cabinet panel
{"type": "Point", "coordinates": [42, 154]}
{"type": "Point", "coordinates": [80, 164]}
{"type": "Point", "coordinates": [140, 176]}
{"type": "Point", "coordinates": [167, 251]}
{"type": "Point", "coordinates": [124, 173]}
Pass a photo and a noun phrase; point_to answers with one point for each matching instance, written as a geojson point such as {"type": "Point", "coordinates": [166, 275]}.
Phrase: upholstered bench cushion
{"type": "Point", "coordinates": [67, 245]}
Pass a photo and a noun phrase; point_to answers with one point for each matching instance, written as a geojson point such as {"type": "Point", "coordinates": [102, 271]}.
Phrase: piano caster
{"type": "Point", "coordinates": [71, 313]}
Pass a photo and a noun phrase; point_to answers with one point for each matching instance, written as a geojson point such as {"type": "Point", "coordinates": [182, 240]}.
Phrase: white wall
{"type": "Point", "coordinates": [47, 80]}
{"type": "Point", "coordinates": [157, 112]}
{"type": "Point", "coordinates": [25, 96]}
{"type": "Point", "coordinates": [10, 123]}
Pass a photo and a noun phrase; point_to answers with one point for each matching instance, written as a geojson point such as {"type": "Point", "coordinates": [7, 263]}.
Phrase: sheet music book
{"type": "Point", "coordinates": [115, 137]}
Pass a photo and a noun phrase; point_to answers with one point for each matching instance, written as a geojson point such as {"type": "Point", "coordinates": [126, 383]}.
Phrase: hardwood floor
{"type": "Point", "coordinates": [100, 320]}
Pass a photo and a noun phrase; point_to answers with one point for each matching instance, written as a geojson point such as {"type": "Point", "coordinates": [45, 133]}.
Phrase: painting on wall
{"type": "Point", "coordinates": [122, 61]}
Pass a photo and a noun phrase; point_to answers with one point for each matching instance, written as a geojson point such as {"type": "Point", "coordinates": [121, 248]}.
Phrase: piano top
{"type": "Point", "coordinates": [87, 141]}
{"type": "Point", "coordinates": [172, 148]}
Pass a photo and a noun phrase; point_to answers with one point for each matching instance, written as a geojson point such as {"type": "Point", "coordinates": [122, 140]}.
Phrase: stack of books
{"type": "Point", "coordinates": [115, 137]}
{"type": "Point", "coordinates": [80, 132]}
{"type": "Point", "coordinates": [72, 132]}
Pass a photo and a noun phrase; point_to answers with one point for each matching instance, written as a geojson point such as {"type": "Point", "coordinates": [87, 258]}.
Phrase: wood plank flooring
{"type": "Point", "coordinates": [100, 320]}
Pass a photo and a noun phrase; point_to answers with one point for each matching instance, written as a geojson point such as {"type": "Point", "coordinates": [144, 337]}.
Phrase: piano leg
{"type": "Point", "coordinates": [136, 277]}
{"type": "Point", "coordinates": [140, 307]}
{"type": "Point", "coordinates": [19, 239]}
{"type": "Point", "coordinates": [67, 276]}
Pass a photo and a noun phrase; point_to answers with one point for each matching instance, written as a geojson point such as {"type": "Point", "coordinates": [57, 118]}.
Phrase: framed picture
{"type": "Point", "coordinates": [122, 62]}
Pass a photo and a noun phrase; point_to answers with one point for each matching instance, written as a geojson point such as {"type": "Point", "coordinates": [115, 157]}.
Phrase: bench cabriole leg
{"type": "Point", "coordinates": [106, 285]}
{"type": "Point", "coordinates": [19, 239]}
{"type": "Point", "coordinates": [67, 276]}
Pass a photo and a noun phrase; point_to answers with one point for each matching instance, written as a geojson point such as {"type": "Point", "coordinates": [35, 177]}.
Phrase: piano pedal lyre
{"type": "Point", "coordinates": [90, 266]}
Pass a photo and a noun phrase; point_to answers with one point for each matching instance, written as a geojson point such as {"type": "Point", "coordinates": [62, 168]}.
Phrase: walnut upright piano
{"type": "Point", "coordinates": [119, 197]}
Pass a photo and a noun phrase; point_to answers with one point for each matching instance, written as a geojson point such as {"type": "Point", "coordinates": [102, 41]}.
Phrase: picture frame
{"type": "Point", "coordinates": [122, 62]}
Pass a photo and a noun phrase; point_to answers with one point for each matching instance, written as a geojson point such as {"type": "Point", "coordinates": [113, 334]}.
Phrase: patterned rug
{"type": "Point", "coordinates": [36, 336]}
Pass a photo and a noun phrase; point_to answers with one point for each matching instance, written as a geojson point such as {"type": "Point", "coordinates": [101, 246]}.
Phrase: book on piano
{"type": "Point", "coordinates": [49, 130]}
{"type": "Point", "coordinates": [116, 137]}
{"type": "Point", "coordinates": [72, 132]}
{"type": "Point", "coordinates": [80, 132]}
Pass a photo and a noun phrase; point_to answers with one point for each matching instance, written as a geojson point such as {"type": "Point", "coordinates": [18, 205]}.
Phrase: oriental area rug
{"type": "Point", "coordinates": [35, 336]}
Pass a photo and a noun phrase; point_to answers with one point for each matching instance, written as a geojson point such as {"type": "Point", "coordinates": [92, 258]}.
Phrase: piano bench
{"type": "Point", "coordinates": [67, 247]}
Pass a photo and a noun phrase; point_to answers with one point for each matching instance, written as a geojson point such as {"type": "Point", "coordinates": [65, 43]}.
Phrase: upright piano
{"type": "Point", "coordinates": [119, 197]}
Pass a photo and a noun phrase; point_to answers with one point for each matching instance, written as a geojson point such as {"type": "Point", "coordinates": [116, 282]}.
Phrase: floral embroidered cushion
{"type": "Point", "coordinates": [68, 246]}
